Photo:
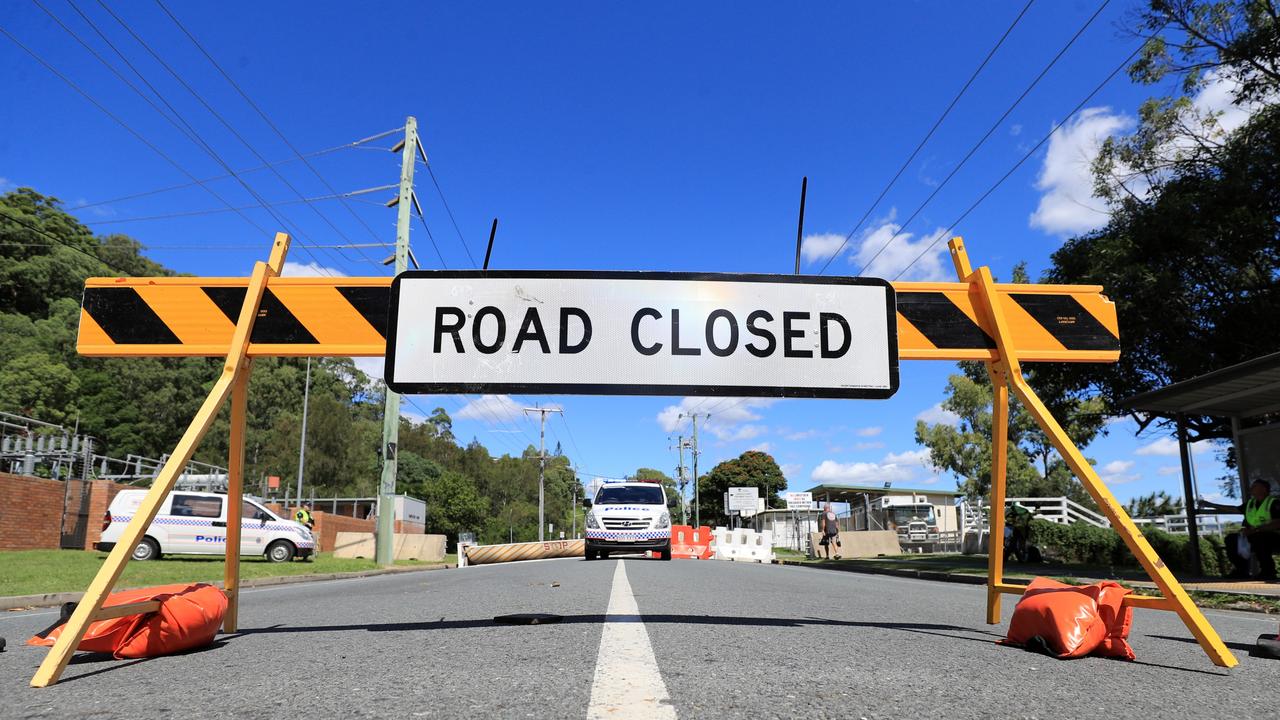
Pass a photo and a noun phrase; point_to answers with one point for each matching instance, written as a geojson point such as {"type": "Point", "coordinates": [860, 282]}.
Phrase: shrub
{"type": "Point", "coordinates": [1085, 544]}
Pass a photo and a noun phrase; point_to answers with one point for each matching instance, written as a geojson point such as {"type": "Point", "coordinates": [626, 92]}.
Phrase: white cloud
{"type": "Point", "coordinates": [802, 435]}
{"type": "Point", "coordinates": [371, 366]}
{"type": "Point", "coordinates": [311, 269]}
{"type": "Point", "coordinates": [879, 259]}
{"type": "Point", "coordinates": [791, 470]}
{"type": "Point", "coordinates": [725, 414]}
{"type": "Point", "coordinates": [1015, 129]}
{"type": "Point", "coordinates": [1068, 205]}
{"type": "Point", "coordinates": [763, 447]}
{"type": "Point", "coordinates": [735, 433]}
{"type": "Point", "coordinates": [491, 409]}
{"type": "Point", "coordinates": [6, 185]}
{"type": "Point", "coordinates": [821, 246]}
{"type": "Point", "coordinates": [869, 431]}
{"type": "Point", "coordinates": [872, 445]}
{"type": "Point", "coordinates": [936, 415]}
{"type": "Point", "coordinates": [1168, 447]}
{"type": "Point", "coordinates": [1117, 472]}
{"type": "Point", "coordinates": [1169, 470]}
{"type": "Point", "coordinates": [910, 466]}
{"type": "Point", "coordinates": [1116, 466]}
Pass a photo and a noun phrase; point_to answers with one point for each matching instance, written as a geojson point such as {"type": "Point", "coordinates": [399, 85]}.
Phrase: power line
{"type": "Point", "coordinates": [101, 108]}
{"type": "Point", "coordinates": [60, 241]}
{"type": "Point", "coordinates": [457, 229]}
{"type": "Point", "coordinates": [990, 131]}
{"type": "Point", "coordinates": [116, 118]}
{"type": "Point", "coordinates": [261, 114]}
{"type": "Point", "coordinates": [1024, 158]}
{"type": "Point", "coordinates": [211, 211]}
{"type": "Point", "coordinates": [182, 186]}
{"type": "Point", "coordinates": [414, 197]}
{"type": "Point", "coordinates": [937, 123]}
{"type": "Point", "coordinates": [195, 135]}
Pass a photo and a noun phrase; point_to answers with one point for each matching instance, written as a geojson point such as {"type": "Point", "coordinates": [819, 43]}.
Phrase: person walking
{"type": "Point", "coordinates": [830, 527]}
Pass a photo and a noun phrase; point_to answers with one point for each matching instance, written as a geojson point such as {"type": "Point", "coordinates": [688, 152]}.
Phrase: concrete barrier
{"type": "Point", "coordinates": [484, 554]}
{"type": "Point", "coordinates": [863, 543]}
{"type": "Point", "coordinates": [408, 547]}
{"type": "Point", "coordinates": [742, 544]}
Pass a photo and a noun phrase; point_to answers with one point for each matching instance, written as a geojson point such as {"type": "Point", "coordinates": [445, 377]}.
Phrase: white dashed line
{"type": "Point", "coordinates": [627, 683]}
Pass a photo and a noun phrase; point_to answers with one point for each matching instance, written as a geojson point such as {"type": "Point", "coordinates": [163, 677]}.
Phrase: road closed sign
{"type": "Point", "coordinates": [633, 333]}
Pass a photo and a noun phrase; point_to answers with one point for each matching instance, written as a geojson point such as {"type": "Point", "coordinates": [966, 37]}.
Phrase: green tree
{"type": "Point", "coordinates": [1033, 468]}
{"type": "Point", "coordinates": [750, 469]}
{"type": "Point", "coordinates": [1154, 505]}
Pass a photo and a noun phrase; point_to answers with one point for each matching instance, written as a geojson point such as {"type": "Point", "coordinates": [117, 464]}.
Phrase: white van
{"type": "Point", "coordinates": [196, 523]}
{"type": "Point", "coordinates": [628, 517]}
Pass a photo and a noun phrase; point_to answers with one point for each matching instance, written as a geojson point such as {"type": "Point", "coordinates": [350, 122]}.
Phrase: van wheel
{"type": "Point", "coordinates": [666, 553]}
{"type": "Point", "coordinates": [604, 554]}
{"type": "Point", "coordinates": [148, 549]}
{"type": "Point", "coordinates": [280, 551]}
{"type": "Point", "coordinates": [589, 554]}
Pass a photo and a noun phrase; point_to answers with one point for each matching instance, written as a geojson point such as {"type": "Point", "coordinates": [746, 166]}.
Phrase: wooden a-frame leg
{"type": "Point", "coordinates": [90, 606]}
{"type": "Point", "coordinates": [235, 494]}
{"type": "Point", "coordinates": [999, 469]}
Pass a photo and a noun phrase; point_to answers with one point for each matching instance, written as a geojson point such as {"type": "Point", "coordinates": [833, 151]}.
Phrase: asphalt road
{"type": "Point", "coordinates": [711, 639]}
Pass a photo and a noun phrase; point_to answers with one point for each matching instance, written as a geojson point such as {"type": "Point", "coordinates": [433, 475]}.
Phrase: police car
{"type": "Point", "coordinates": [628, 517]}
{"type": "Point", "coordinates": [196, 523]}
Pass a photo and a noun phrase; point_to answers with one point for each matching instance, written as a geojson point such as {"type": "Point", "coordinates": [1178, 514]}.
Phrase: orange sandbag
{"type": "Point", "coordinates": [1069, 621]}
{"type": "Point", "coordinates": [189, 617]}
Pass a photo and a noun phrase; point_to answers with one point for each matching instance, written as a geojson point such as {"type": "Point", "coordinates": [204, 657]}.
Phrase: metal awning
{"type": "Point", "coordinates": [844, 493]}
{"type": "Point", "coordinates": [1241, 391]}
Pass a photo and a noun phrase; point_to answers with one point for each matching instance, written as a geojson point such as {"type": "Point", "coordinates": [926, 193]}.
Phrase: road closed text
{"type": "Point", "coordinates": [642, 333]}
{"type": "Point", "coordinates": [722, 333]}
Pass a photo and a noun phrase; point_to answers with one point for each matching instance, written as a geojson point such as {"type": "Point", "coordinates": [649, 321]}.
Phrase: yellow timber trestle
{"type": "Point", "coordinates": [265, 315]}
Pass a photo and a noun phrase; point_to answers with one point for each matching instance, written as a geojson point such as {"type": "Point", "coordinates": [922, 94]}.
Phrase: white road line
{"type": "Point", "coordinates": [627, 683]}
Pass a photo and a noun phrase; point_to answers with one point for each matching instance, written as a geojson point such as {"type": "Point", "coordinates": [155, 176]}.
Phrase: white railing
{"type": "Point", "coordinates": [974, 519]}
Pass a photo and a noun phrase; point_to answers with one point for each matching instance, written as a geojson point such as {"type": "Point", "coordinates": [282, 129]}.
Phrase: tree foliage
{"type": "Point", "coordinates": [1033, 468]}
{"type": "Point", "coordinates": [1191, 254]}
{"type": "Point", "coordinates": [752, 468]}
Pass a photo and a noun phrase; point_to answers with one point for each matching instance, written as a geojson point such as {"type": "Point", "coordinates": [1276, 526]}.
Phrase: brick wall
{"type": "Point", "coordinates": [101, 493]}
{"type": "Point", "coordinates": [30, 513]}
{"type": "Point", "coordinates": [31, 510]}
{"type": "Point", "coordinates": [410, 528]}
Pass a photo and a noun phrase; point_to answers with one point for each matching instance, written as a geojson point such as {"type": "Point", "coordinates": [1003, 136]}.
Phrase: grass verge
{"type": "Point", "coordinates": [34, 572]}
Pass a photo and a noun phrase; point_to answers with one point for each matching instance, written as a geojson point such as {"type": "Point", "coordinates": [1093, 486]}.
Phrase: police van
{"type": "Point", "coordinates": [196, 523]}
{"type": "Point", "coordinates": [628, 517]}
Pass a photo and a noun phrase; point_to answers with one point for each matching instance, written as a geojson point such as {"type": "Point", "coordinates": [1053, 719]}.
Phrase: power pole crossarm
{"type": "Point", "coordinates": [542, 467]}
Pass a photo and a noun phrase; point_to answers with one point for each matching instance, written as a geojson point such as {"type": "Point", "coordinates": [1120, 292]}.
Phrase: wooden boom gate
{"type": "Point", "coordinates": [976, 318]}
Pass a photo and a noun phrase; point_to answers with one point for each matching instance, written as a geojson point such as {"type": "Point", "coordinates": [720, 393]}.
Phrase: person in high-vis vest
{"type": "Point", "coordinates": [304, 516]}
{"type": "Point", "coordinates": [1260, 532]}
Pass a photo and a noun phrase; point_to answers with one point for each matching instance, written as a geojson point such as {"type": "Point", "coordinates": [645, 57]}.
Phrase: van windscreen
{"type": "Point", "coordinates": [629, 495]}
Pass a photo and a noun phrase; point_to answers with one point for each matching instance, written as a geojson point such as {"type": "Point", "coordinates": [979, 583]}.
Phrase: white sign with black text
{"type": "Point", "coordinates": [632, 333]}
{"type": "Point", "coordinates": [742, 499]}
{"type": "Point", "coordinates": [799, 500]}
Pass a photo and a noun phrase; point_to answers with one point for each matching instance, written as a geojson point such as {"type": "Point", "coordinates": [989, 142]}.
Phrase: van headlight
{"type": "Point", "coordinates": [664, 521]}
{"type": "Point", "coordinates": [592, 522]}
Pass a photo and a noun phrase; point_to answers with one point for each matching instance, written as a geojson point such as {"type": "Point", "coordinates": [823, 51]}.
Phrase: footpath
{"type": "Point", "coordinates": [1255, 596]}
{"type": "Point", "coordinates": [23, 602]}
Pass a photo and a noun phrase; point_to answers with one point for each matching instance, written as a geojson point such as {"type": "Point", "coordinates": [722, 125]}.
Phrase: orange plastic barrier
{"type": "Point", "coordinates": [189, 617]}
{"type": "Point", "coordinates": [690, 543]}
{"type": "Point", "coordinates": [1069, 621]}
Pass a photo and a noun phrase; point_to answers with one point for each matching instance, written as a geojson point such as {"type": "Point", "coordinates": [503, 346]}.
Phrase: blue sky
{"type": "Point", "coordinates": [640, 136]}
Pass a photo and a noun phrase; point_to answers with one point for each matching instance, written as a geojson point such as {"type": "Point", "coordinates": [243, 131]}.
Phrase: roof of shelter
{"type": "Point", "coordinates": [838, 491]}
{"type": "Point", "coordinates": [1246, 390]}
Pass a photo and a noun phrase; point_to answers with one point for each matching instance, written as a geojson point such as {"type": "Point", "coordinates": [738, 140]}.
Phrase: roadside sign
{"type": "Point", "coordinates": [632, 333]}
{"type": "Point", "coordinates": [743, 498]}
{"type": "Point", "coordinates": [799, 500]}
